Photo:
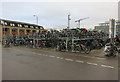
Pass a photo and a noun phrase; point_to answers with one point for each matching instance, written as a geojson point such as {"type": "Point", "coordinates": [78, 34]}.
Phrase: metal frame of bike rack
{"type": "Point", "coordinates": [37, 38]}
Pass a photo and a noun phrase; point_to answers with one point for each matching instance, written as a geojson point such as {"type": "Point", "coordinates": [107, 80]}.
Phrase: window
{"type": "Point", "coordinates": [117, 26]}
{"type": "Point", "coordinates": [5, 23]}
{"type": "Point", "coordinates": [31, 26]}
{"type": "Point", "coordinates": [10, 24]}
{"type": "Point", "coordinates": [118, 23]}
{"type": "Point", "coordinates": [20, 25]}
{"type": "Point", "coordinates": [2, 22]}
{"type": "Point", "coordinates": [101, 24]}
{"type": "Point", "coordinates": [96, 27]}
{"type": "Point", "coordinates": [14, 30]}
{"type": "Point", "coordinates": [103, 30]}
{"type": "Point", "coordinates": [13, 25]}
{"type": "Point", "coordinates": [28, 31]}
{"type": "Point", "coordinates": [26, 26]}
{"type": "Point", "coordinates": [36, 27]}
{"type": "Point", "coordinates": [101, 27]}
{"type": "Point", "coordinates": [33, 31]}
{"type": "Point", "coordinates": [21, 30]}
{"type": "Point", "coordinates": [41, 27]}
{"type": "Point", "coordinates": [5, 29]}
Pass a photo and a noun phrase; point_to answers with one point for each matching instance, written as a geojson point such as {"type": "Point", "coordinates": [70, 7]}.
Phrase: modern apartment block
{"type": "Point", "coordinates": [104, 27]}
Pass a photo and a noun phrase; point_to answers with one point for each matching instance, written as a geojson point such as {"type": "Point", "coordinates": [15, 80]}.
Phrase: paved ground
{"type": "Point", "coordinates": [20, 63]}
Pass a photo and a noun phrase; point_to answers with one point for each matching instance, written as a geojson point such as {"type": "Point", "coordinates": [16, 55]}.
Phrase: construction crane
{"type": "Point", "coordinates": [80, 20]}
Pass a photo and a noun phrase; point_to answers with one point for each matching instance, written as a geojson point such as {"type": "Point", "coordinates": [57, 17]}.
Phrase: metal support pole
{"type": "Point", "coordinates": [69, 21]}
{"type": "Point", "coordinates": [67, 44]}
{"type": "Point", "coordinates": [79, 23]}
{"type": "Point", "coordinates": [73, 45]}
{"type": "Point", "coordinates": [112, 30]}
{"type": "Point", "coordinates": [33, 43]}
{"type": "Point", "coordinates": [36, 19]}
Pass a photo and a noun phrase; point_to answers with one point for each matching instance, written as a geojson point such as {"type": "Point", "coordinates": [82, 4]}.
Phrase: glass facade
{"type": "Point", "coordinates": [103, 24]}
{"type": "Point", "coordinates": [97, 28]}
{"type": "Point", "coordinates": [105, 27]}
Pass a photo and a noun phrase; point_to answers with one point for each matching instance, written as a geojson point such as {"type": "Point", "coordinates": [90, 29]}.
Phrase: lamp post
{"type": "Point", "coordinates": [36, 19]}
{"type": "Point", "coordinates": [69, 21]}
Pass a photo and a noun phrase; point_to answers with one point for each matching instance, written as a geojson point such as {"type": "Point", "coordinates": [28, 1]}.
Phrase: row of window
{"type": "Point", "coordinates": [106, 27]}
{"type": "Point", "coordinates": [105, 30]}
{"type": "Point", "coordinates": [101, 27]}
{"type": "Point", "coordinates": [117, 29]}
{"type": "Point", "coordinates": [104, 24]}
{"type": "Point", "coordinates": [117, 26]}
{"type": "Point", "coordinates": [118, 23]}
{"type": "Point", "coordinates": [16, 30]}
{"type": "Point", "coordinates": [108, 30]}
{"type": "Point", "coordinates": [117, 32]}
{"type": "Point", "coordinates": [20, 25]}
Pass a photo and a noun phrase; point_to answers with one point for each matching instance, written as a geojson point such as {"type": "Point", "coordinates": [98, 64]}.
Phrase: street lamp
{"type": "Point", "coordinates": [69, 21]}
{"type": "Point", "coordinates": [36, 19]}
{"type": "Point", "coordinates": [80, 20]}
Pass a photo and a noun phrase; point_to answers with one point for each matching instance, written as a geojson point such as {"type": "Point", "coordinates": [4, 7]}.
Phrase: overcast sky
{"type": "Point", "coordinates": [54, 14]}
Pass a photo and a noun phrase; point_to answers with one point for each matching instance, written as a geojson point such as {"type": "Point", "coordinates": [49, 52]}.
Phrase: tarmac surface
{"type": "Point", "coordinates": [21, 63]}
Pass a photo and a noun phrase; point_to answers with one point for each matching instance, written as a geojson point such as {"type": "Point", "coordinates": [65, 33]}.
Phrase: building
{"type": "Point", "coordinates": [8, 27]}
{"type": "Point", "coordinates": [104, 27]}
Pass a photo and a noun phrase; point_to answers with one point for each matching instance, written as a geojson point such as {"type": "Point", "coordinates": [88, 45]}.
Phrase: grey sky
{"type": "Point", "coordinates": [54, 14]}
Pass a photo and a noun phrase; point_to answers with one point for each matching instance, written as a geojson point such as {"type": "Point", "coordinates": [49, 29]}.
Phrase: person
{"type": "Point", "coordinates": [28, 43]}
{"type": "Point", "coordinates": [116, 40]}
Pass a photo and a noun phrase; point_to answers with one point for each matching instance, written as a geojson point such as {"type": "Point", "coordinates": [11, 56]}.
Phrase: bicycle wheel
{"type": "Point", "coordinates": [87, 49]}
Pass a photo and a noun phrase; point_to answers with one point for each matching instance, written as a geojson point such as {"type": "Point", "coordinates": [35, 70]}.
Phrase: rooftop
{"type": "Point", "coordinates": [2, 22]}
